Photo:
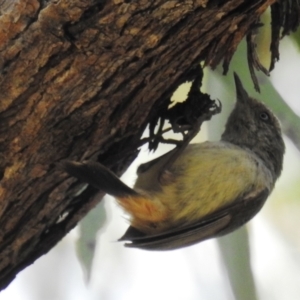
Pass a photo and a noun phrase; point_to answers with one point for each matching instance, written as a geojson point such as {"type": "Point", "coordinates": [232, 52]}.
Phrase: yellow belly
{"type": "Point", "coordinates": [205, 178]}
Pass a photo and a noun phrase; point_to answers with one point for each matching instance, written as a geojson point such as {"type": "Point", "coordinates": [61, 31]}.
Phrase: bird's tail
{"type": "Point", "coordinates": [98, 176]}
{"type": "Point", "coordinates": [143, 209]}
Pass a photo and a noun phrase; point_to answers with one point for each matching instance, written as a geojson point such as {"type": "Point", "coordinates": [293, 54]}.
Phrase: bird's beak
{"type": "Point", "coordinates": [241, 94]}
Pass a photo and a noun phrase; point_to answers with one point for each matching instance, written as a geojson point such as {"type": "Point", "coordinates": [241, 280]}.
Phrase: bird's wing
{"type": "Point", "coordinates": [217, 224]}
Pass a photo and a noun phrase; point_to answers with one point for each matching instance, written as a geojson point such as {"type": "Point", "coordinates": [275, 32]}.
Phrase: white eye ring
{"type": "Point", "coordinates": [264, 116]}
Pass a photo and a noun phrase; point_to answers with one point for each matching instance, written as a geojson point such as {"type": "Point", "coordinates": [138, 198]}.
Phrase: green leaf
{"type": "Point", "coordinates": [86, 244]}
{"type": "Point", "coordinates": [235, 254]}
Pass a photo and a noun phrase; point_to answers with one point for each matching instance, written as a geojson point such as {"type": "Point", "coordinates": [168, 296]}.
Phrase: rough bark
{"type": "Point", "coordinates": [81, 80]}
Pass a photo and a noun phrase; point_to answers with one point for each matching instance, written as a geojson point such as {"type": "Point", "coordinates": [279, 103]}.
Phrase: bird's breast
{"type": "Point", "coordinates": [205, 178]}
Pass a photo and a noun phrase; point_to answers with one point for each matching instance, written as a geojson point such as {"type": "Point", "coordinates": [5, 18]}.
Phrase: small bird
{"type": "Point", "coordinates": [211, 189]}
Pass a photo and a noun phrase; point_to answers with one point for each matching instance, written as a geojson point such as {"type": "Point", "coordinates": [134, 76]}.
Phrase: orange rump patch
{"type": "Point", "coordinates": [143, 208]}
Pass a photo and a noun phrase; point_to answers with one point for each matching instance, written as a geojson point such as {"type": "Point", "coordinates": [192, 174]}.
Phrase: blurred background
{"type": "Point", "coordinates": [260, 261]}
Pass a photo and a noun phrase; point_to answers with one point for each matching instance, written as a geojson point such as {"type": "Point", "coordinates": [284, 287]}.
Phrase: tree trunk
{"type": "Point", "coordinates": [81, 79]}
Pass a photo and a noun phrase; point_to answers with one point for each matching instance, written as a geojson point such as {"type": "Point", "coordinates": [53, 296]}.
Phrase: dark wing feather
{"type": "Point", "coordinates": [178, 238]}
{"type": "Point", "coordinates": [217, 224]}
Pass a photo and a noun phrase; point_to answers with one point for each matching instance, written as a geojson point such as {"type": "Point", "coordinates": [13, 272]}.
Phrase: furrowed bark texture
{"type": "Point", "coordinates": [80, 80]}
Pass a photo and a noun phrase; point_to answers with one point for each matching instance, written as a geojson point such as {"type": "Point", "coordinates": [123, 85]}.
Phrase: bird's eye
{"type": "Point", "coordinates": [264, 116]}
